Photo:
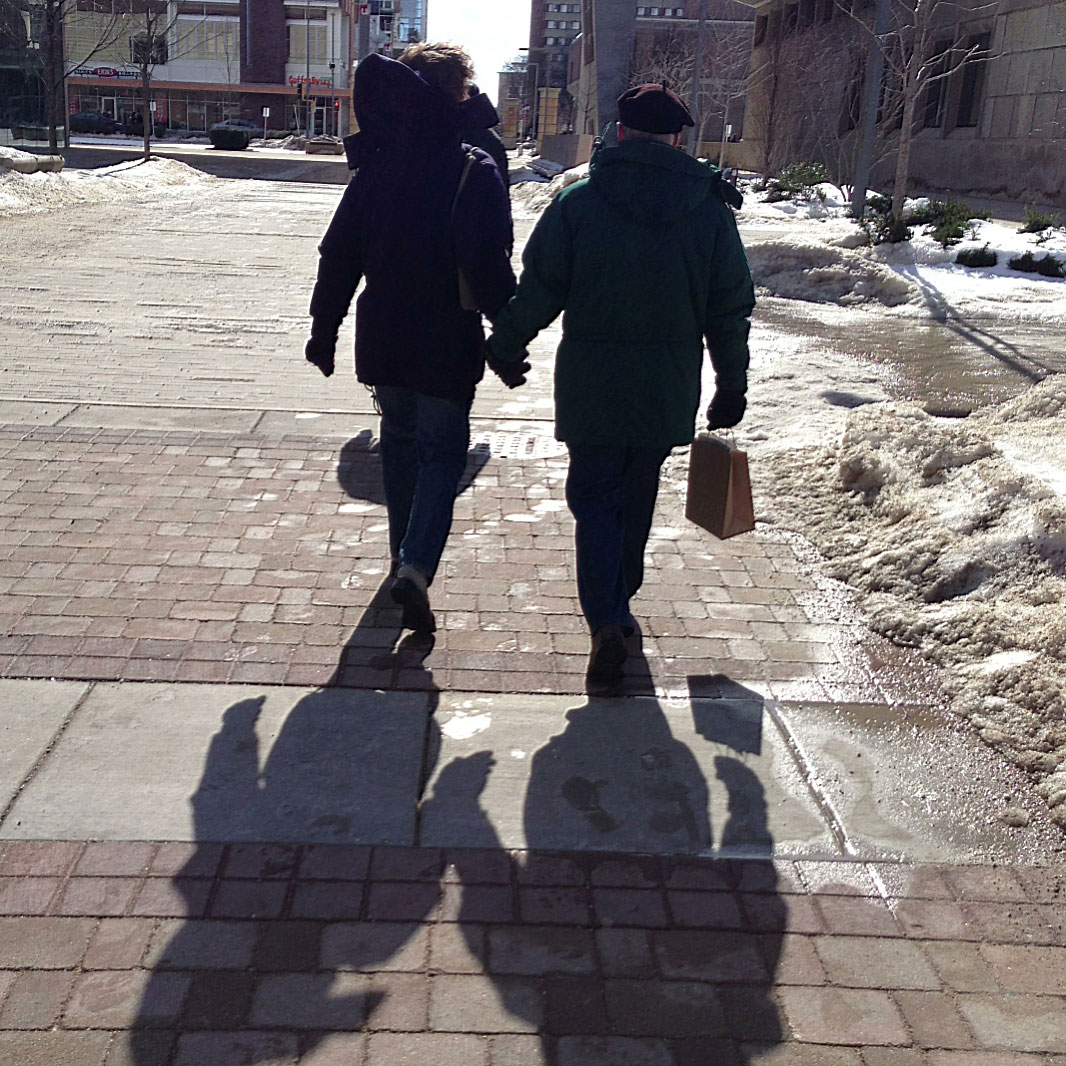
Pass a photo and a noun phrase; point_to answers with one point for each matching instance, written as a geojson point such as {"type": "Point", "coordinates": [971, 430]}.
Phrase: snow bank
{"type": "Point", "coordinates": [954, 536]}
{"type": "Point", "coordinates": [532, 194]}
{"type": "Point", "coordinates": [34, 193]}
{"type": "Point", "coordinates": [810, 250]}
{"type": "Point", "coordinates": [809, 268]}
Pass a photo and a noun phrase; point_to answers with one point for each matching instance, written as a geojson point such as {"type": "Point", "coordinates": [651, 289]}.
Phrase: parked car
{"type": "Point", "coordinates": [93, 122]}
{"type": "Point", "coordinates": [134, 126]}
{"type": "Point", "coordinates": [237, 124]}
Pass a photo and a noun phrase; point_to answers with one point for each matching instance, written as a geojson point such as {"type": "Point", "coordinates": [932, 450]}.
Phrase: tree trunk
{"type": "Point", "coordinates": [53, 72]}
{"type": "Point", "coordinates": [903, 159]}
{"type": "Point", "coordinates": [146, 110]}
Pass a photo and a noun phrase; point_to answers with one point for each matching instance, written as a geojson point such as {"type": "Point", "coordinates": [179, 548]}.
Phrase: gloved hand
{"type": "Point", "coordinates": [321, 350]}
{"type": "Point", "coordinates": [726, 409]}
{"type": "Point", "coordinates": [511, 373]}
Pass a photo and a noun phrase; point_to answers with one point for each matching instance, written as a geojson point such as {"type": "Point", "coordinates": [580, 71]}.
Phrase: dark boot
{"type": "Point", "coordinates": [607, 655]}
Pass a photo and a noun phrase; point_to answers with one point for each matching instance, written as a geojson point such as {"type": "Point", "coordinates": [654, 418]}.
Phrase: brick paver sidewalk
{"type": "Point", "coordinates": [140, 555]}
{"type": "Point", "coordinates": [198, 954]}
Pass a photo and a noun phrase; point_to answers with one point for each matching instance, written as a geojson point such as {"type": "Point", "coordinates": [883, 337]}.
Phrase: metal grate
{"type": "Point", "coordinates": [517, 445]}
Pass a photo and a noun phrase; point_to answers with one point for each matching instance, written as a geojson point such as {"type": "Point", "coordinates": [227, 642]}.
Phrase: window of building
{"type": "Point", "coordinates": [791, 19]}
{"type": "Point", "coordinates": [936, 87]}
{"type": "Point", "coordinates": [972, 85]}
{"type": "Point", "coordinates": [93, 36]}
{"type": "Point", "coordinates": [307, 43]}
{"type": "Point", "coordinates": [208, 38]}
{"type": "Point", "coordinates": [807, 13]}
{"type": "Point", "coordinates": [760, 30]}
{"type": "Point", "coordinates": [151, 48]}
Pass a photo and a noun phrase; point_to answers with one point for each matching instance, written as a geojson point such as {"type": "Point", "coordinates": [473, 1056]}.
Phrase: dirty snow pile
{"type": "Point", "coordinates": [810, 250]}
{"type": "Point", "coordinates": [955, 536]}
{"type": "Point", "coordinates": [33, 193]}
{"type": "Point", "coordinates": [530, 195]}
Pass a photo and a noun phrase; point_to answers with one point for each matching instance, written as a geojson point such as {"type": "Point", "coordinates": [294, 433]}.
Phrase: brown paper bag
{"type": "Point", "coordinates": [719, 489]}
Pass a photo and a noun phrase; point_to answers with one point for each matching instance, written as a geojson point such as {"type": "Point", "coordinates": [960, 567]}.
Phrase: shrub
{"type": "Point", "coordinates": [977, 257]}
{"type": "Point", "coordinates": [886, 229]}
{"type": "Point", "coordinates": [795, 181]}
{"type": "Point", "coordinates": [1046, 265]}
{"type": "Point", "coordinates": [234, 140]}
{"type": "Point", "coordinates": [879, 204]}
{"type": "Point", "coordinates": [949, 221]}
{"type": "Point", "coordinates": [1038, 223]}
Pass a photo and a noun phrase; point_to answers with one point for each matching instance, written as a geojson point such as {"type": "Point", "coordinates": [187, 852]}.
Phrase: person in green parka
{"type": "Point", "coordinates": [644, 261]}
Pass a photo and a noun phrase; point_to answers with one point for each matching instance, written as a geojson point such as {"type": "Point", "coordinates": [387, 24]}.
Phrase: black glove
{"type": "Point", "coordinates": [511, 373]}
{"type": "Point", "coordinates": [726, 409]}
{"type": "Point", "coordinates": [321, 350]}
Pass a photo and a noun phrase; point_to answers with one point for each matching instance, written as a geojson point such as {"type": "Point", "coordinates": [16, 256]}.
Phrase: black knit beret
{"type": "Point", "coordinates": [653, 108]}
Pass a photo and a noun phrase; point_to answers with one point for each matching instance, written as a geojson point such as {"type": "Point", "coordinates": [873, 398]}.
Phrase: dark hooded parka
{"type": "Point", "coordinates": [479, 130]}
{"type": "Point", "coordinates": [644, 261]}
{"type": "Point", "coordinates": [400, 228]}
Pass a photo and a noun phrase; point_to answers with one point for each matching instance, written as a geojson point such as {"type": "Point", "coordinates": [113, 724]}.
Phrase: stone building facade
{"type": "Point", "coordinates": [995, 124]}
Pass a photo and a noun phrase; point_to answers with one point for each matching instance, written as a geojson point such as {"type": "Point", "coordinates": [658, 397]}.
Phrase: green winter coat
{"type": "Point", "coordinates": [644, 260]}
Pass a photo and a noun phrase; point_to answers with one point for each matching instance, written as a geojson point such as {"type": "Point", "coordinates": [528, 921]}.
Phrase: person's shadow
{"type": "Point", "coordinates": [254, 976]}
{"type": "Point", "coordinates": [691, 986]}
{"type": "Point", "coordinates": [330, 776]}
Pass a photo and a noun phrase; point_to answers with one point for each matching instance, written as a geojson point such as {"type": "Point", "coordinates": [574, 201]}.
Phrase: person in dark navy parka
{"type": "Point", "coordinates": [420, 208]}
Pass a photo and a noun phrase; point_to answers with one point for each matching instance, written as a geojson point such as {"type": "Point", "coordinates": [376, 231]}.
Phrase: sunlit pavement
{"type": "Point", "coordinates": [244, 819]}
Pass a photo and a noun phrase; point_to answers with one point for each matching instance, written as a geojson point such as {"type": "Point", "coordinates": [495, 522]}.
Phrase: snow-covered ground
{"type": "Point", "coordinates": [812, 251]}
{"type": "Point", "coordinates": [30, 193]}
{"type": "Point", "coordinates": [953, 531]}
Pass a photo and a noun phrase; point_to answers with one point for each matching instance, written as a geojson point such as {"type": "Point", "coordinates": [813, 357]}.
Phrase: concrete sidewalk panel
{"type": "Point", "coordinates": [30, 714]}
{"type": "Point", "coordinates": [234, 763]}
{"type": "Point", "coordinates": [163, 419]}
{"type": "Point", "coordinates": [638, 775]}
{"type": "Point", "coordinates": [32, 413]}
{"type": "Point", "coordinates": [912, 783]}
{"type": "Point", "coordinates": [310, 423]}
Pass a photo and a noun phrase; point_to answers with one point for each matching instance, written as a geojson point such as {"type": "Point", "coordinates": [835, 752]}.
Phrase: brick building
{"type": "Point", "coordinates": [216, 60]}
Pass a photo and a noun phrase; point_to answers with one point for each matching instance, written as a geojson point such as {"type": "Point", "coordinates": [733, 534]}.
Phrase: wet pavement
{"type": "Point", "coordinates": [244, 819]}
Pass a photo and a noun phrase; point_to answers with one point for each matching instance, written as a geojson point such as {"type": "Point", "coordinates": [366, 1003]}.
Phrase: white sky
{"type": "Point", "coordinates": [492, 31]}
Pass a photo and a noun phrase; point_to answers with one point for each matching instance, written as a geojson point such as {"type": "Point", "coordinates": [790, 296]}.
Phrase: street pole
{"type": "Point", "coordinates": [307, 68]}
{"type": "Point", "coordinates": [871, 98]}
{"type": "Point", "coordinates": [697, 79]}
{"type": "Point", "coordinates": [332, 95]}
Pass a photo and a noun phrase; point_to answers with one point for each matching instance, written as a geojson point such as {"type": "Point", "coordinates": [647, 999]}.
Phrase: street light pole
{"type": "Point", "coordinates": [307, 67]}
{"type": "Point", "coordinates": [536, 96]}
{"type": "Point", "coordinates": [697, 79]}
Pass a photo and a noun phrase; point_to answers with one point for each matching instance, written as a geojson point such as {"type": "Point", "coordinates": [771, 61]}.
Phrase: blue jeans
{"type": "Point", "coordinates": [611, 493]}
{"type": "Point", "coordinates": [424, 441]}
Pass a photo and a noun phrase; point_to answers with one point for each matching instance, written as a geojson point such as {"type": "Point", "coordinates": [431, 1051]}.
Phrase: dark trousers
{"type": "Point", "coordinates": [424, 441]}
{"type": "Point", "coordinates": [611, 493]}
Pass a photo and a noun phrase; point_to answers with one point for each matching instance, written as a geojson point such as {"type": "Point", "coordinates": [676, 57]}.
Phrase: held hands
{"type": "Point", "coordinates": [726, 409]}
{"type": "Point", "coordinates": [512, 373]}
{"type": "Point", "coordinates": [321, 350]}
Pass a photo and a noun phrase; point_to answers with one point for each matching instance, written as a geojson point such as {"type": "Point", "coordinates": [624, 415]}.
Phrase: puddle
{"type": "Point", "coordinates": [949, 367]}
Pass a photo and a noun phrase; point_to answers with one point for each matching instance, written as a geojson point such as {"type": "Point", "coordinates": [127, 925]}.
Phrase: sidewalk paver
{"type": "Point", "coordinates": [631, 984]}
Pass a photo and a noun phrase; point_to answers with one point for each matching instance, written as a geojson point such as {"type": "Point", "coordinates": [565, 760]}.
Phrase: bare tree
{"type": "Point", "coordinates": [63, 48]}
{"type": "Point", "coordinates": [922, 50]}
{"type": "Point", "coordinates": [671, 56]}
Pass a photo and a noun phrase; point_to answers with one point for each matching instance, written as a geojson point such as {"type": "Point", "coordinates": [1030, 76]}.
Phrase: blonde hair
{"type": "Point", "coordinates": [443, 65]}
